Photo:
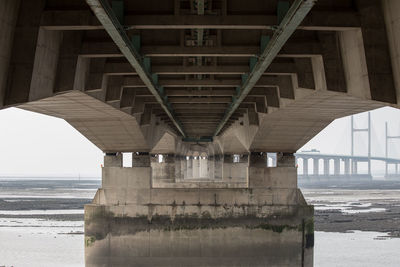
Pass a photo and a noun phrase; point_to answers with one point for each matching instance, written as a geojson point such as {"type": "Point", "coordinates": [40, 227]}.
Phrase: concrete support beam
{"type": "Point", "coordinates": [258, 159]}
{"type": "Point", "coordinates": [377, 50]}
{"type": "Point", "coordinates": [23, 50]}
{"type": "Point", "coordinates": [84, 20]}
{"type": "Point", "coordinates": [285, 160]}
{"type": "Point", "coordinates": [218, 166]}
{"type": "Point", "coordinates": [113, 160]}
{"type": "Point", "coordinates": [140, 159]}
{"type": "Point", "coordinates": [189, 167]}
{"type": "Point", "coordinates": [178, 167]}
{"type": "Point", "coordinates": [8, 20]}
{"type": "Point", "coordinates": [392, 20]}
{"type": "Point", "coordinates": [45, 66]}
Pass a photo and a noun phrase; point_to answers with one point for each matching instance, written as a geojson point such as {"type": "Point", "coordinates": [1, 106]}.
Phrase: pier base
{"type": "Point", "coordinates": [268, 223]}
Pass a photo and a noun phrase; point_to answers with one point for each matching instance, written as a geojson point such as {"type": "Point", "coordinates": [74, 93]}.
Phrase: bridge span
{"type": "Point", "coordinates": [199, 91]}
{"type": "Point", "coordinates": [346, 166]}
{"type": "Point", "coordinates": [347, 170]}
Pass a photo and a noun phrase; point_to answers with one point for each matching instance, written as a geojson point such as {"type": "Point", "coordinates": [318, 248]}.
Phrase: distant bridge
{"type": "Point", "coordinates": [346, 166]}
{"type": "Point", "coordinates": [350, 165]}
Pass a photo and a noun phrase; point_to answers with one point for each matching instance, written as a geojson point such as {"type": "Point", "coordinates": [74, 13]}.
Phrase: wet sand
{"type": "Point", "coordinates": [356, 206]}
{"type": "Point", "coordinates": [41, 223]}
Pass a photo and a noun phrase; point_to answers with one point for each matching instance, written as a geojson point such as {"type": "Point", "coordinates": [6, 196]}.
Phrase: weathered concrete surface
{"type": "Point", "coordinates": [267, 223]}
{"type": "Point", "coordinates": [8, 20]}
{"type": "Point", "coordinates": [57, 59]}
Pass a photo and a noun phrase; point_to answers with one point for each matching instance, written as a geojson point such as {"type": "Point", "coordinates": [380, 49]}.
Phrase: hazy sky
{"type": "Point", "coordinates": [39, 145]}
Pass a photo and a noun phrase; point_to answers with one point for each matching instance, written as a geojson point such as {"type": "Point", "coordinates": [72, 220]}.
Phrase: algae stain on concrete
{"type": "Point", "coordinates": [89, 241]}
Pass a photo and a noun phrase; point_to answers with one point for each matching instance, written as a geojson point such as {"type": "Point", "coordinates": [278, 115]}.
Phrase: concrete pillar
{"type": "Point", "coordinates": [184, 167]}
{"type": "Point", "coordinates": [203, 167]}
{"type": "Point", "coordinates": [396, 170]}
{"type": "Point", "coordinates": [130, 223]}
{"type": "Point", "coordinates": [285, 160]}
{"type": "Point", "coordinates": [316, 166]}
{"type": "Point", "coordinates": [113, 160]}
{"type": "Point", "coordinates": [141, 159]}
{"type": "Point", "coordinates": [169, 161]}
{"type": "Point", "coordinates": [189, 169]}
{"type": "Point", "coordinates": [218, 166]}
{"type": "Point", "coordinates": [386, 168]}
{"type": "Point", "coordinates": [326, 167]}
{"type": "Point", "coordinates": [337, 167]}
{"type": "Point", "coordinates": [211, 167]}
{"type": "Point", "coordinates": [354, 169]}
{"type": "Point", "coordinates": [227, 167]}
{"type": "Point", "coordinates": [196, 167]}
{"type": "Point", "coordinates": [8, 15]}
{"type": "Point", "coordinates": [347, 167]}
{"type": "Point", "coordinates": [178, 170]}
{"type": "Point", "coordinates": [305, 167]}
{"type": "Point", "coordinates": [257, 159]}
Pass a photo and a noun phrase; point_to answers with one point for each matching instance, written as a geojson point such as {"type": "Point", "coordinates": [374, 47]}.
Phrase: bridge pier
{"type": "Point", "coordinates": [305, 167]}
{"type": "Point", "coordinates": [337, 167]}
{"type": "Point", "coordinates": [316, 167]}
{"type": "Point", "coordinates": [141, 159]}
{"type": "Point", "coordinates": [131, 222]}
{"type": "Point", "coordinates": [326, 167]}
{"type": "Point", "coordinates": [354, 167]}
{"type": "Point", "coordinates": [347, 167]}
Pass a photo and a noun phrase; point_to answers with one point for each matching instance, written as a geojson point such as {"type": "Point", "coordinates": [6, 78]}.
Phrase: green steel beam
{"type": "Point", "coordinates": [106, 16]}
{"type": "Point", "coordinates": [136, 42]}
{"type": "Point", "coordinates": [294, 16]}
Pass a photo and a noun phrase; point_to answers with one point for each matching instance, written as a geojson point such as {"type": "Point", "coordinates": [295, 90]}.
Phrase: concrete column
{"type": "Point", "coordinates": [203, 167]}
{"type": "Point", "coordinates": [184, 167]}
{"type": "Point", "coordinates": [326, 167]}
{"type": "Point", "coordinates": [305, 166]}
{"type": "Point", "coordinates": [354, 169]}
{"type": "Point", "coordinates": [285, 160]}
{"type": "Point", "coordinates": [218, 166]}
{"type": "Point", "coordinates": [337, 167]}
{"type": "Point", "coordinates": [178, 170]}
{"type": "Point", "coordinates": [316, 167]}
{"type": "Point", "coordinates": [257, 159]}
{"type": "Point", "coordinates": [396, 166]}
{"type": "Point", "coordinates": [113, 160]}
{"type": "Point", "coordinates": [141, 159]}
{"type": "Point", "coordinates": [169, 161]}
{"type": "Point", "coordinates": [347, 167]}
{"type": "Point", "coordinates": [151, 219]}
{"type": "Point", "coordinates": [211, 167]}
{"type": "Point", "coordinates": [8, 19]}
{"type": "Point", "coordinates": [386, 168]}
{"type": "Point", "coordinates": [189, 169]}
{"type": "Point", "coordinates": [227, 167]}
{"type": "Point", "coordinates": [196, 167]}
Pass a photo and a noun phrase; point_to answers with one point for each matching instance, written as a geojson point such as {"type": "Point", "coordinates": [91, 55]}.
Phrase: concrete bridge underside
{"type": "Point", "coordinates": [211, 85]}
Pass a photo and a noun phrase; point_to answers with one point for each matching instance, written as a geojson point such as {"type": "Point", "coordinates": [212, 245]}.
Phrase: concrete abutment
{"type": "Point", "coordinates": [265, 223]}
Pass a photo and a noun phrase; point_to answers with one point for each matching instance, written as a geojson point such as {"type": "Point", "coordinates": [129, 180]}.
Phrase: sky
{"type": "Point", "coordinates": [37, 145]}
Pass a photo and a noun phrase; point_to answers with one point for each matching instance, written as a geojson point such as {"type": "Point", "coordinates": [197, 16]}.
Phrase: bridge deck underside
{"type": "Point", "coordinates": [198, 54]}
